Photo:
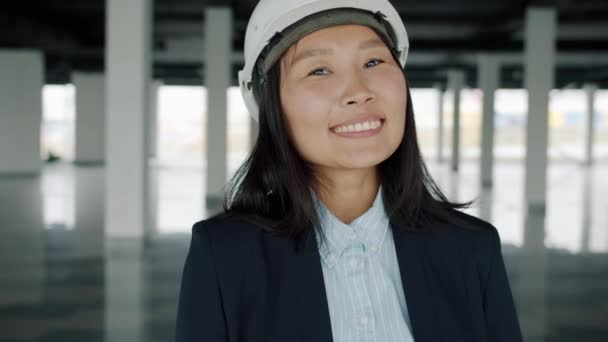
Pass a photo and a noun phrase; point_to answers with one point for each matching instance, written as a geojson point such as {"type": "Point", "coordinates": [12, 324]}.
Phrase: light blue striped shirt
{"type": "Point", "coordinates": [362, 279]}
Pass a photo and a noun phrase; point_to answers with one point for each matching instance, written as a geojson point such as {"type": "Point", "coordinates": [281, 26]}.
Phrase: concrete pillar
{"type": "Point", "coordinates": [486, 202]}
{"type": "Point", "coordinates": [455, 83]}
{"type": "Point", "coordinates": [439, 89]}
{"type": "Point", "coordinates": [455, 181]}
{"type": "Point", "coordinates": [489, 71]}
{"type": "Point", "coordinates": [88, 231]}
{"type": "Point", "coordinates": [530, 286]}
{"type": "Point", "coordinates": [153, 167]}
{"type": "Point", "coordinates": [128, 69]}
{"type": "Point", "coordinates": [218, 44]}
{"type": "Point", "coordinates": [586, 209]}
{"type": "Point", "coordinates": [539, 68]}
{"type": "Point", "coordinates": [90, 118]}
{"type": "Point", "coordinates": [23, 245]}
{"type": "Point", "coordinates": [21, 80]}
{"type": "Point", "coordinates": [155, 87]}
{"type": "Point", "coordinates": [539, 64]}
{"type": "Point", "coordinates": [254, 130]}
{"type": "Point", "coordinates": [124, 291]}
{"type": "Point", "coordinates": [590, 91]}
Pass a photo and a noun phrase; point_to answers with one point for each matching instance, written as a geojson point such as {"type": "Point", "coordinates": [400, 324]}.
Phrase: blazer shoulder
{"type": "Point", "coordinates": [229, 234]}
{"type": "Point", "coordinates": [224, 222]}
{"type": "Point", "coordinates": [467, 226]}
{"type": "Point", "coordinates": [467, 234]}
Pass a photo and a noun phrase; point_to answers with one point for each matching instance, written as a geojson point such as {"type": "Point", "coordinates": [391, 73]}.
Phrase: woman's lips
{"type": "Point", "coordinates": [360, 134]}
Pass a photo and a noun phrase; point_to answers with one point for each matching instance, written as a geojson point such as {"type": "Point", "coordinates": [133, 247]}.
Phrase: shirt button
{"type": "Point", "coordinates": [356, 264]}
{"type": "Point", "coordinates": [363, 320]}
{"type": "Point", "coordinates": [330, 257]}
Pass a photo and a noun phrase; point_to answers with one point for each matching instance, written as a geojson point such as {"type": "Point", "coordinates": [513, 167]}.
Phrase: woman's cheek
{"type": "Point", "coordinates": [322, 88]}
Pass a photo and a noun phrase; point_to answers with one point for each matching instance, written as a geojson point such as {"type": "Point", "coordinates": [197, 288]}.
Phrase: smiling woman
{"type": "Point", "coordinates": [333, 229]}
{"type": "Point", "coordinates": [361, 84]}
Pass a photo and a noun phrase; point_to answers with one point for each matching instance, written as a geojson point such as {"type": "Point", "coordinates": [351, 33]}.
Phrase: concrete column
{"type": "Point", "coordinates": [218, 44]}
{"type": "Point", "coordinates": [23, 245]}
{"type": "Point", "coordinates": [455, 83]}
{"type": "Point", "coordinates": [455, 181]}
{"type": "Point", "coordinates": [254, 130]}
{"type": "Point", "coordinates": [155, 87]}
{"type": "Point", "coordinates": [124, 291]}
{"type": "Point", "coordinates": [128, 68]}
{"type": "Point", "coordinates": [489, 71]}
{"type": "Point", "coordinates": [88, 231]}
{"type": "Point", "coordinates": [590, 91]}
{"type": "Point", "coordinates": [90, 118]}
{"type": "Point", "coordinates": [539, 68]}
{"type": "Point", "coordinates": [586, 209]}
{"type": "Point", "coordinates": [539, 64]}
{"type": "Point", "coordinates": [486, 201]}
{"type": "Point", "coordinates": [439, 89]}
{"type": "Point", "coordinates": [21, 80]}
{"type": "Point", "coordinates": [530, 288]}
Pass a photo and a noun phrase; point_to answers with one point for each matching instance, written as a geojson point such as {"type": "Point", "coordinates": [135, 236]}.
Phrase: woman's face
{"type": "Point", "coordinates": [333, 79]}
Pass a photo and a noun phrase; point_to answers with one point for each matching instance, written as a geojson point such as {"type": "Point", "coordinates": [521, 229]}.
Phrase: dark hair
{"type": "Point", "coordinates": [272, 187]}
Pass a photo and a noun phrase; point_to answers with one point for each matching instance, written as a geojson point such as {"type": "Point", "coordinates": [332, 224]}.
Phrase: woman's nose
{"type": "Point", "coordinates": [356, 90]}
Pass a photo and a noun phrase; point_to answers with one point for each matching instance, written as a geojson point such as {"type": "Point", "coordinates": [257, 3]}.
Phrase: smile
{"type": "Point", "coordinates": [360, 129]}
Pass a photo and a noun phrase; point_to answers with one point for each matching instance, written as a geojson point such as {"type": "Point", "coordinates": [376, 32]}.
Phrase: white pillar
{"type": "Point", "coordinates": [538, 80]}
{"type": "Point", "coordinates": [128, 35]}
{"type": "Point", "coordinates": [530, 288]}
{"type": "Point", "coordinates": [88, 221]}
{"type": "Point", "coordinates": [486, 201]}
{"type": "Point", "coordinates": [155, 87]}
{"type": "Point", "coordinates": [218, 44]}
{"type": "Point", "coordinates": [21, 80]}
{"type": "Point", "coordinates": [124, 291]}
{"type": "Point", "coordinates": [439, 90]}
{"type": "Point", "coordinates": [90, 118]}
{"type": "Point", "coordinates": [539, 57]}
{"type": "Point", "coordinates": [488, 83]}
{"type": "Point", "coordinates": [586, 209]}
{"type": "Point", "coordinates": [254, 131]}
{"type": "Point", "coordinates": [456, 82]}
{"type": "Point", "coordinates": [590, 91]}
{"type": "Point", "coordinates": [153, 167]}
{"type": "Point", "coordinates": [24, 244]}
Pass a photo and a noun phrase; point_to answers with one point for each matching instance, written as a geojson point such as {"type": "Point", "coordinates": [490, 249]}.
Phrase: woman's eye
{"type": "Point", "coordinates": [315, 74]}
{"type": "Point", "coordinates": [376, 60]}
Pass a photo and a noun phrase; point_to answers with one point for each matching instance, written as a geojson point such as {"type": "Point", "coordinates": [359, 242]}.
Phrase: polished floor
{"type": "Point", "coordinates": [62, 281]}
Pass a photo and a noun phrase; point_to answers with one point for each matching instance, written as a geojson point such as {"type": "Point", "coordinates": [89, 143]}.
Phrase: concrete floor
{"type": "Point", "coordinates": [62, 281]}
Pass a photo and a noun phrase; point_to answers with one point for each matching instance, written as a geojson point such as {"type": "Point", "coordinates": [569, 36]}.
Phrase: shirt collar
{"type": "Point", "coordinates": [370, 228]}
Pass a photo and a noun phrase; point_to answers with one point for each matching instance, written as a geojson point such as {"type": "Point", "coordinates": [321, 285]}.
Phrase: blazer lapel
{"type": "Point", "coordinates": [412, 258]}
{"type": "Point", "coordinates": [312, 298]}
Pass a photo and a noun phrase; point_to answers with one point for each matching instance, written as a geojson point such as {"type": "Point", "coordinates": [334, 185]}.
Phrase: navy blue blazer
{"type": "Point", "coordinates": [240, 283]}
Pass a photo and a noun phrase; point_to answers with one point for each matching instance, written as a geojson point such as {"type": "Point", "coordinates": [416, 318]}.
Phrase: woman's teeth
{"type": "Point", "coordinates": [358, 127]}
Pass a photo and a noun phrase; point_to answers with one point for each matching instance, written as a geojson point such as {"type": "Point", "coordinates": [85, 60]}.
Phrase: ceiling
{"type": "Point", "coordinates": [443, 34]}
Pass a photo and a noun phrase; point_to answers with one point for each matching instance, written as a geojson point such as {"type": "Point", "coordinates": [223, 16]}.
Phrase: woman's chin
{"type": "Point", "coordinates": [362, 161]}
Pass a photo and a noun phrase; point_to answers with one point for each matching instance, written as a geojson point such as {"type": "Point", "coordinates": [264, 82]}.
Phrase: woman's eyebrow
{"type": "Point", "coordinates": [370, 43]}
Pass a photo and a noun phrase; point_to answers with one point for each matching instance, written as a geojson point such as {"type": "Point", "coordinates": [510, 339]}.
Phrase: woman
{"type": "Point", "coordinates": [333, 229]}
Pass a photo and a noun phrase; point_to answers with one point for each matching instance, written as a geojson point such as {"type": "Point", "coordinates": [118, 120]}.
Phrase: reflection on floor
{"type": "Point", "coordinates": [62, 281]}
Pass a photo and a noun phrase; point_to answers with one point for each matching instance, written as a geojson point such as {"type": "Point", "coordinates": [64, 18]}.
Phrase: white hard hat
{"type": "Point", "coordinates": [274, 16]}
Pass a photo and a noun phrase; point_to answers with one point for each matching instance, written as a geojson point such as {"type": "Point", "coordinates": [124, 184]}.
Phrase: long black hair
{"type": "Point", "coordinates": [272, 187]}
